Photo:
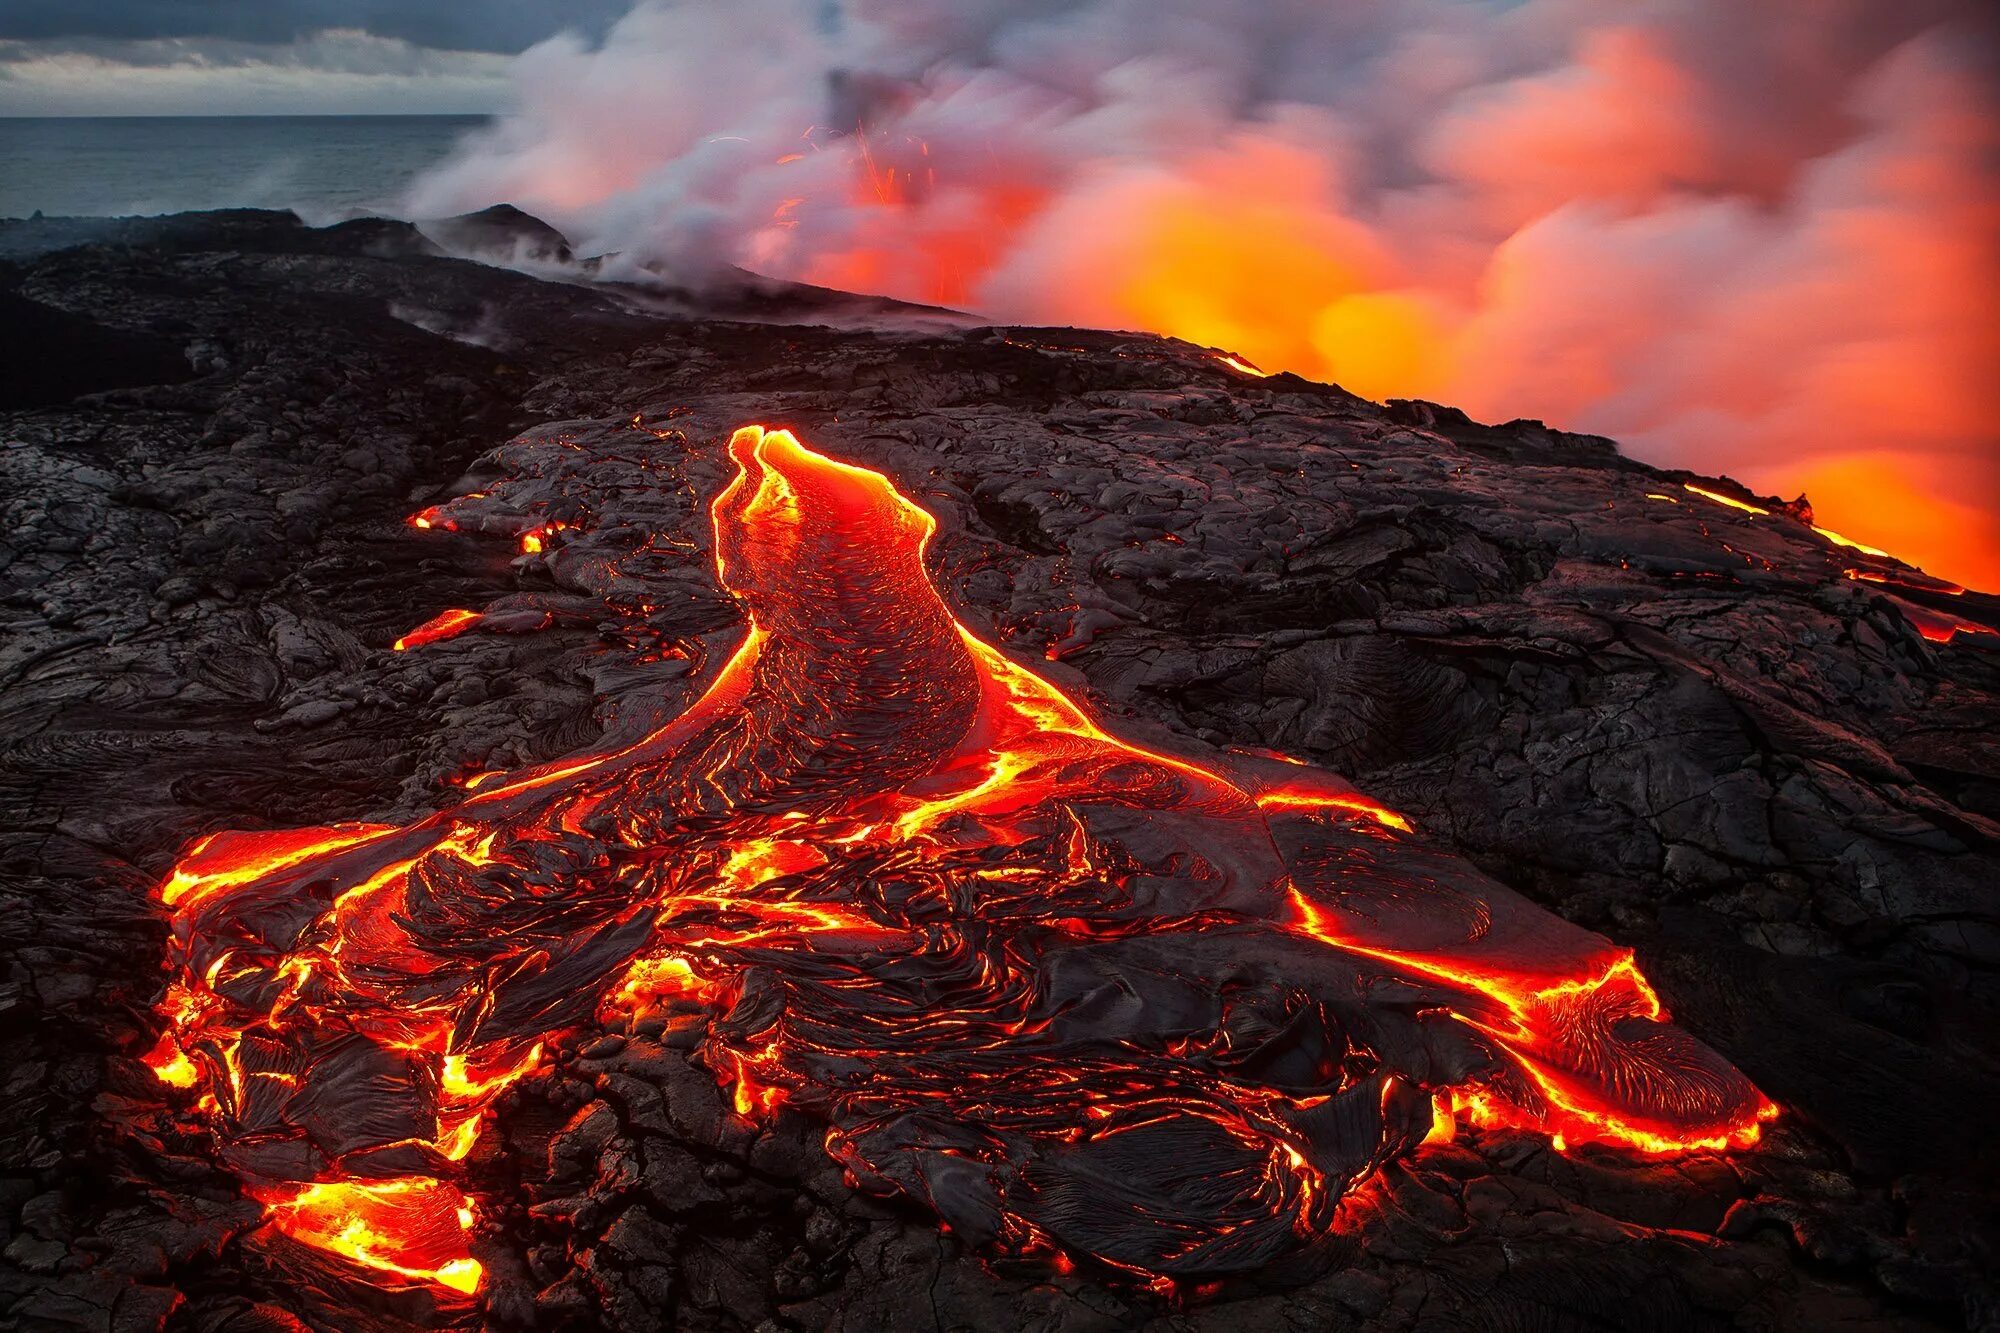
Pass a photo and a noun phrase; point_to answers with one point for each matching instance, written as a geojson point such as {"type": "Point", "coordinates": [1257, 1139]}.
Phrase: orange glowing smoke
{"type": "Point", "coordinates": [1572, 310]}
{"type": "Point", "coordinates": [923, 894]}
{"type": "Point", "coordinates": [1753, 240]}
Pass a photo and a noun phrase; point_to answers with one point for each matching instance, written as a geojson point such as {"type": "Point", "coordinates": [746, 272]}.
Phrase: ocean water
{"type": "Point", "coordinates": [324, 167]}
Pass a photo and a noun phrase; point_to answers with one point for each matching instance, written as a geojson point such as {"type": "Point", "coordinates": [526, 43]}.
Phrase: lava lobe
{"type": "Point", "coordinates": [1161, 1011]}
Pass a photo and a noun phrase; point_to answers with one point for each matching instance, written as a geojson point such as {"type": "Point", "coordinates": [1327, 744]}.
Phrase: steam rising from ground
{"type": "Point", "coordinates": [1761, 240]}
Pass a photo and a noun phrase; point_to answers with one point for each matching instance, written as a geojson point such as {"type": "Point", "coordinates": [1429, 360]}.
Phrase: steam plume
{"type": "Point", "coordinates": [1761, 240]}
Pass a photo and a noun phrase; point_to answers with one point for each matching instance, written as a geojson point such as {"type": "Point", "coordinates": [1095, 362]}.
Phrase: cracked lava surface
{"type": "Point", "coordinates": [1158, 1011]}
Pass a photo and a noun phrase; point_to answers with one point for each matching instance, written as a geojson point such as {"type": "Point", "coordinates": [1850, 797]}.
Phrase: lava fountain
{"type": "Point", "coordinates": [1159, 1011]}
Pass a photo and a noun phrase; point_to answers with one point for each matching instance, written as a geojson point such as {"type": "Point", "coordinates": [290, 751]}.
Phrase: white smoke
{"type": "Point", "coordinates": [1762, 239]}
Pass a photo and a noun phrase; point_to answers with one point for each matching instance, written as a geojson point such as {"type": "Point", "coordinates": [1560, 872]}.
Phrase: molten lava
{"type": "Point", "coordinates": [444, 625]}
{"type": "Point", "coordinates": [1238, 364]}
{"type": "Point", "coordinates": [1163, 1011]}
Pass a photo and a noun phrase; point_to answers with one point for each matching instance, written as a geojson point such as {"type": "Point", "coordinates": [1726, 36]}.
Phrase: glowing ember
{"type": "Point", "coordinates": [1079, 997]}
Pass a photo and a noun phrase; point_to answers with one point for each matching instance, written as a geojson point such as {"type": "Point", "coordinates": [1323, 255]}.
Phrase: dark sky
{"type": "Point", "coordinates": [457, 25]}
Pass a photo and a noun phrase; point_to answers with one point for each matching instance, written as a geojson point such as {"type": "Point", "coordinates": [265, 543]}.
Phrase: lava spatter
{"type": "Point", "coordinates": [1160, 1011]}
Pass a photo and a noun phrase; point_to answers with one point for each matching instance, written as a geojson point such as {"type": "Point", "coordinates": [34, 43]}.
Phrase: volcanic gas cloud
{"type": "Point", "coordinates": [1744, 239]}
{"type": "Point", "coordinates": [1072, 994]}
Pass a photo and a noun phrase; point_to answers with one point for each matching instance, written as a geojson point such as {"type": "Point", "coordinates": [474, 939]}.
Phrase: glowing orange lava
{"type": "Point", "coordinates": [1163, 1011]}
{"type": "Point", "coordinates": [1721, 499]}
{"type": "Point", "coordinates": [1237, 363]}
{"type": "Point", "coordinates": [444, 625]}
{"type": "Point", "coordinates": [409, 1227]}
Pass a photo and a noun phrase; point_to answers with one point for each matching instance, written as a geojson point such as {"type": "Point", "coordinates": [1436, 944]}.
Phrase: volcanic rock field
{"type": "Point", "coordinates": [1665, 709]}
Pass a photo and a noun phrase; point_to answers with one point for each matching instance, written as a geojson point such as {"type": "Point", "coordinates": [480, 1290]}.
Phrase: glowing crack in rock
{"type": "Point", "coordinates": [1079, 997]}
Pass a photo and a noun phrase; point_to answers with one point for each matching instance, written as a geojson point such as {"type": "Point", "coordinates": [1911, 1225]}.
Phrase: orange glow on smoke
{"type": "Point", "coordinates": [1584, 214]}
{"type": "Point", "coordinates": [1560, 285]}
{"type": "Point", "coordinates": [1236, 249]}
{"type": "Point", "coordinates": [1933, 624]}
{"type": "Point", "coordinates": [865, 787]}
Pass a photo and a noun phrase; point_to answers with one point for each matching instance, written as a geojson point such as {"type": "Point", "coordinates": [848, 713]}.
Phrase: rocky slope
{"type": "Point", "coordinates": [1762, 758]}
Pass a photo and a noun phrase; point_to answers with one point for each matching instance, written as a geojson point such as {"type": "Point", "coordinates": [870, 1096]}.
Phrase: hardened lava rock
{"type": "Point", "coordinates": [1666, 711]}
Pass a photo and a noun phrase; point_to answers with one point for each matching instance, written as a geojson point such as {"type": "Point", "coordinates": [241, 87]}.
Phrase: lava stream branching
{"type": "Point", "coordinates": [1161, 1011]}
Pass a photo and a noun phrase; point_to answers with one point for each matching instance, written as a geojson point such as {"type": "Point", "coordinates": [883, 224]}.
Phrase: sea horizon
{"type": "Point", "coordinates": [324, 167]}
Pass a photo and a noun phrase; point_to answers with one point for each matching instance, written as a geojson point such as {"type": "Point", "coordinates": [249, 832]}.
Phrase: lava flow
{"type": "Point", "coordinates": [1161, 1011]}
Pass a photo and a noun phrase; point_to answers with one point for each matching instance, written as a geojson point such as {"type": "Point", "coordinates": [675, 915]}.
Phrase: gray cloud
{"type": "Point", "coordinates": [333, 51]}
{"type": "Point", "coordinates": [330, 72]}
{"type": "Point", "coordinates": [454, 25]}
